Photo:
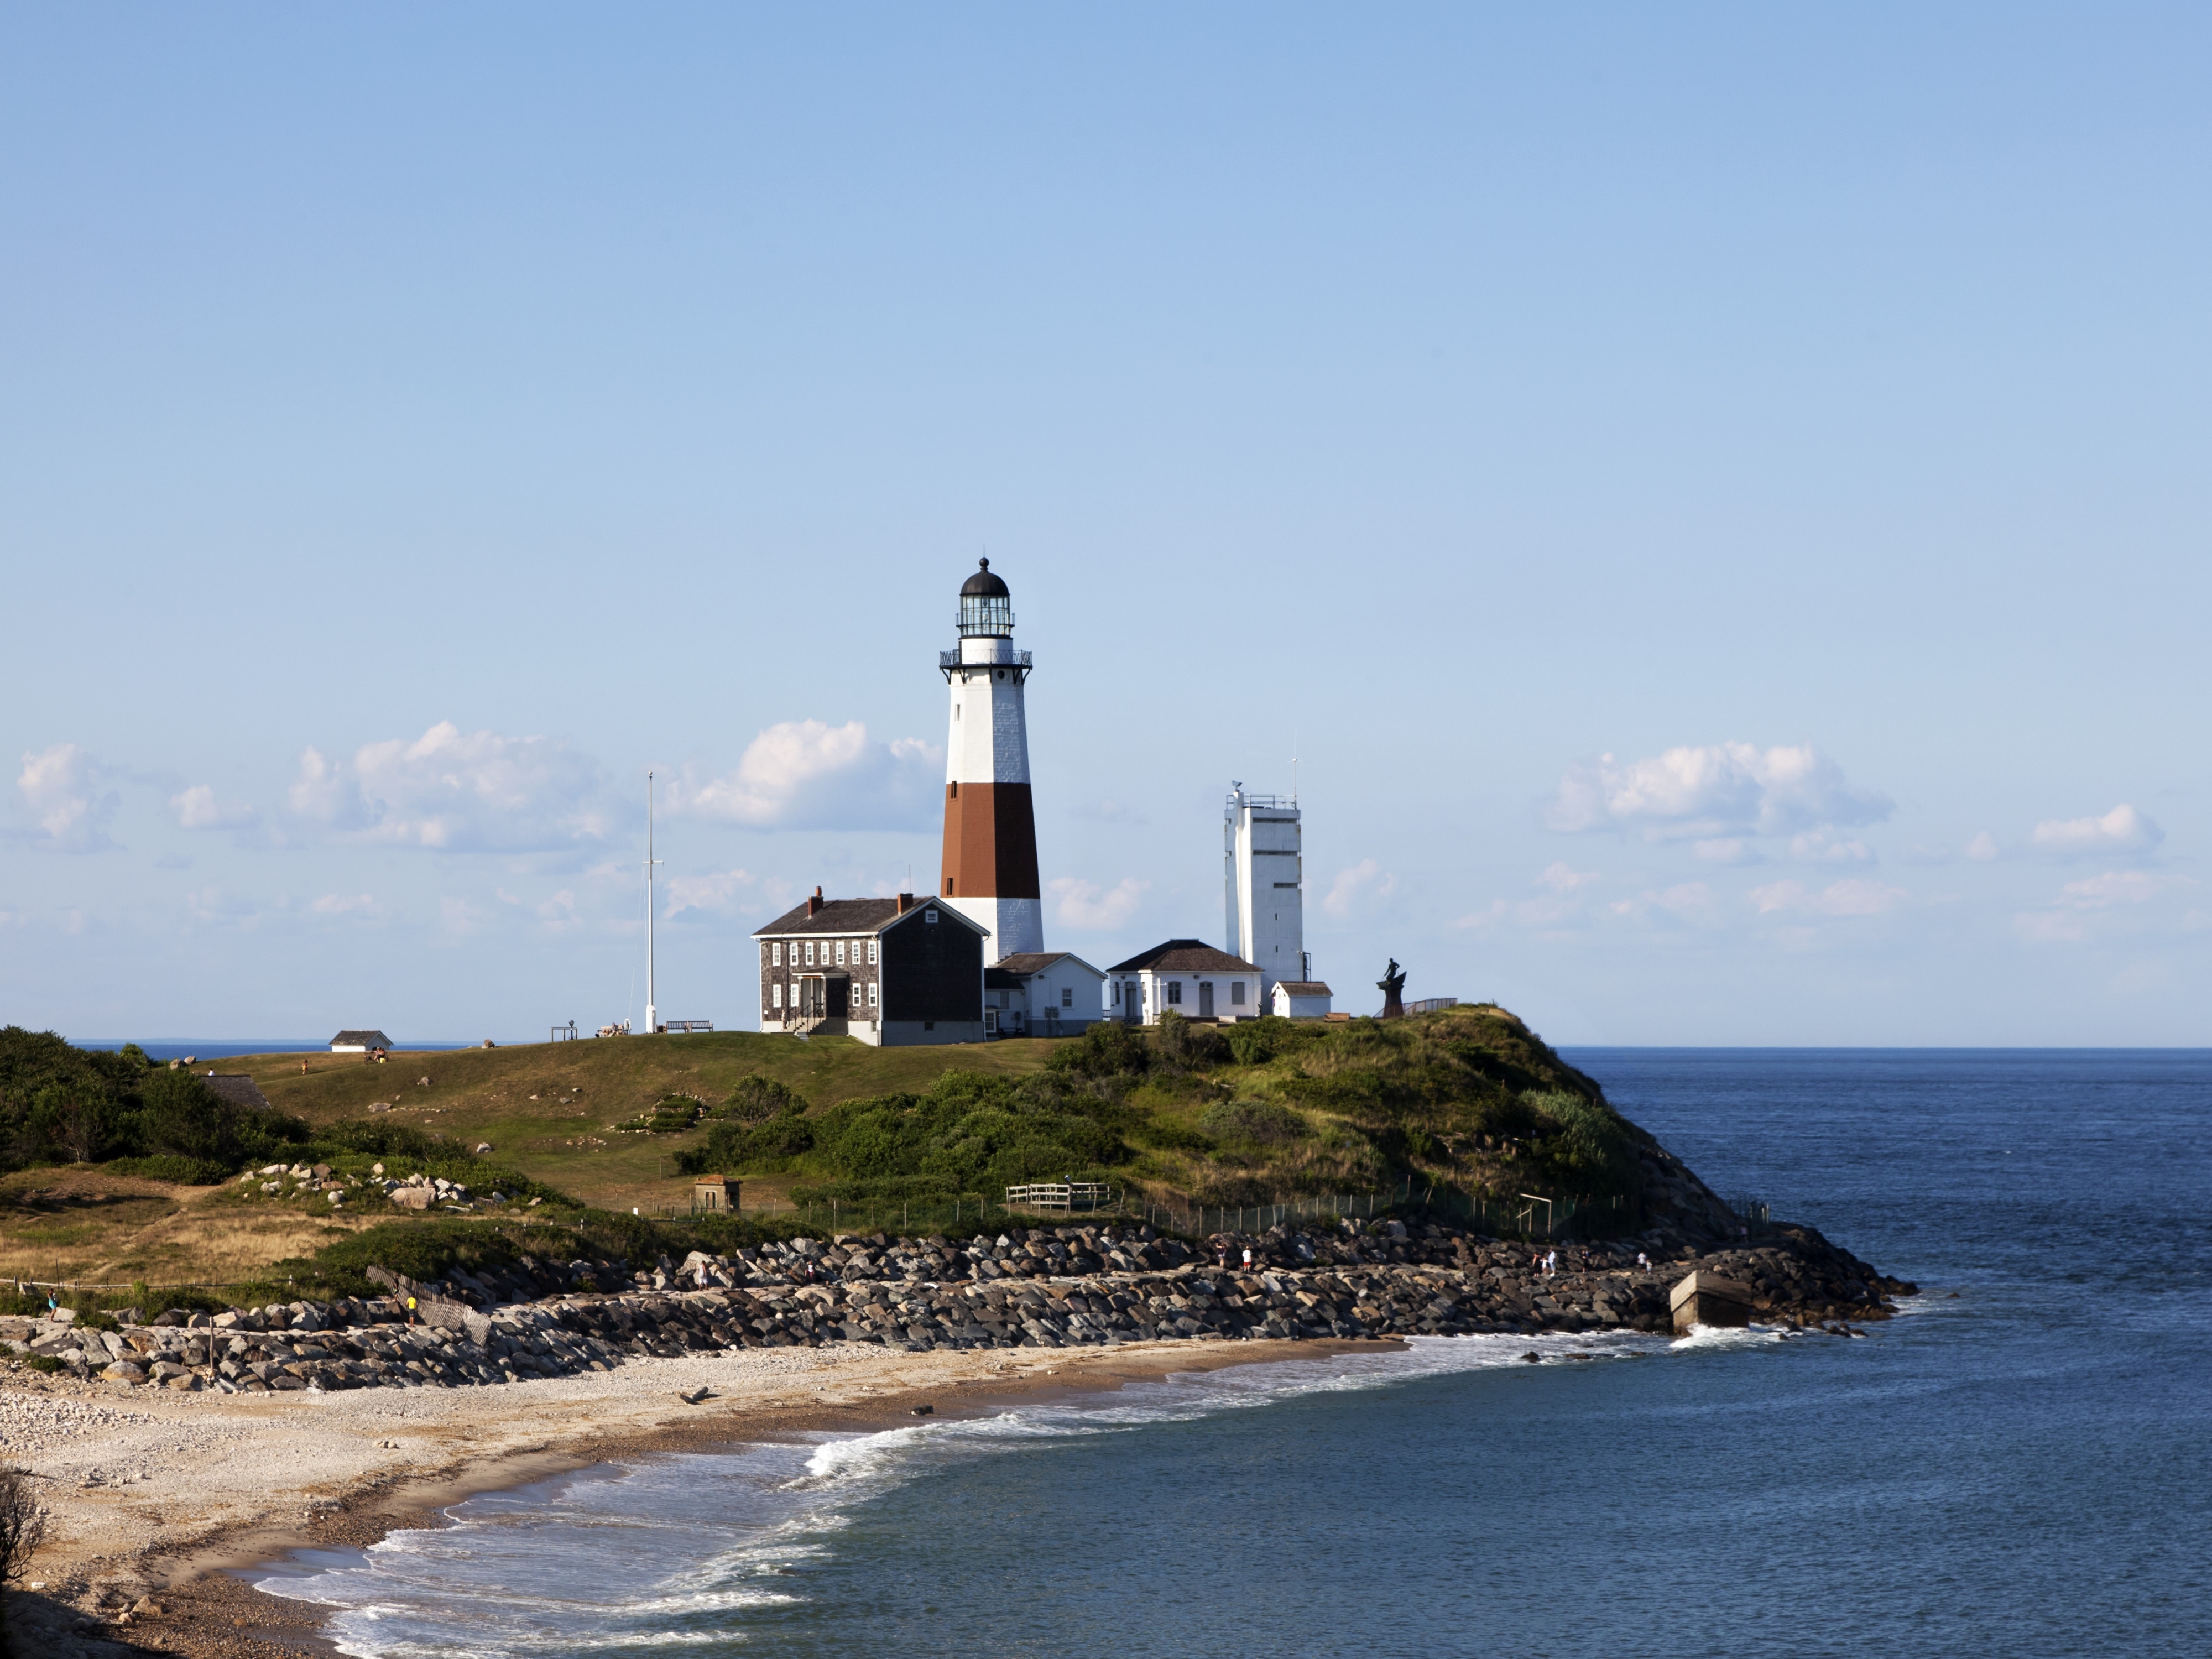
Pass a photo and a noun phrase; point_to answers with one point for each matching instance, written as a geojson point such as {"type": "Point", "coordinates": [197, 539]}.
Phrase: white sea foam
{"type": "Point", "coordinates": [674, 1553]}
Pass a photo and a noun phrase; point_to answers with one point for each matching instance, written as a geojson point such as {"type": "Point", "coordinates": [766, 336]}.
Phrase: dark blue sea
{"type": "Point", "coordinates": [2020, 1465]}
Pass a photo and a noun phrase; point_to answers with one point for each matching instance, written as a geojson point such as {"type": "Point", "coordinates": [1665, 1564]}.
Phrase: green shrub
{"type": "Point", "coordinates": [1589, 1143]}
{"type": "Point", "coordinates": [758, 1097]}
{"type": "Point", "coordinates": [169, 1166]}
{"type": "Point", "coordinates": [971, 1133]}
{"type": "Point", "coordinates": [60, 1105]}
{"type": "Point", "coordinates": [1188, 1047]}
{"type": "Point", "coordinates": [1168, 1135]}
{"type": "Point", "coordinates": [1107, 1049]}
{"type": "Point", "coordinates": [1256, 1042]}
{"type": "Point", "coordinates": [1255, 1119]}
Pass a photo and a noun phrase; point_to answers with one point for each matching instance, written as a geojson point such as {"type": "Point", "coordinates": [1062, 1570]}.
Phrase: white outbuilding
{"type": "Point", "coordinates": [1302, 999]}
{"type": "Point", "coordinates": [1042, 993]}
{"type": "Point", "coordinates": [1186, 975]}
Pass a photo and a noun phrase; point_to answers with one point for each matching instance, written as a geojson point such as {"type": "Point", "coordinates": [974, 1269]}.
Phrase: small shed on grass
{"type": "Point", "coordinates": [238, 1089]}
{"type": "Point", "coordinates": [1302, 999]}
{"type": "Point", "coordinates": [714, 1194]}
{"type": "Point", "coordinates": [359, 1043]}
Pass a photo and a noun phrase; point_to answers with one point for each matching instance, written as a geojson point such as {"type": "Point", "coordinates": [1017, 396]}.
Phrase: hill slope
{"type": "Point", "coordinates": [1458, 1106]}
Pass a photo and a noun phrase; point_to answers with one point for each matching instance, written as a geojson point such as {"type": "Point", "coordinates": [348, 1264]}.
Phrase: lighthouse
{"type": "Point", "coordinates": [990, 864]}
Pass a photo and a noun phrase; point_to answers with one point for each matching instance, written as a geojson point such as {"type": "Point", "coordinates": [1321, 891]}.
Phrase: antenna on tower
{"type": "Point", "coordinates": [652, 1014]}
{"type": "Point", "coordinates": [1294, 769]}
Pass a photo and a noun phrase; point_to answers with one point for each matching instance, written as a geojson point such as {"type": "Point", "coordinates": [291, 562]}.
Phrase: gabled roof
{"type": "Point", "coordinates": [863, 915]}
{"type": "Point", "coordinates": [366, 1039]}
{"type": "Point", "coordinates": [998, 979]}
{"type": "Point", "coordinates": [1026, 962]}
{"type": "Point", "coordinates": [1185, 956]}
{"type": "Point", "coordinates": [238, 1089]}
{"type": "Point", "coordinates": [1304, 988]}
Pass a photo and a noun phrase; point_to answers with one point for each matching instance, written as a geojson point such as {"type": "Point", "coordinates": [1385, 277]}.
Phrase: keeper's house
{"type": "Point", "coordinates": [887, 971]}
{"type": "Point", "coordinates": [1186, 975]}
{"type": "Point", "coordinates": [1041, 994]}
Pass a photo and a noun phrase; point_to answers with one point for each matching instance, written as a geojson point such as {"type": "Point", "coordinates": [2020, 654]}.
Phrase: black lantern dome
{"type": "Point", "coordinates": [985, 607]}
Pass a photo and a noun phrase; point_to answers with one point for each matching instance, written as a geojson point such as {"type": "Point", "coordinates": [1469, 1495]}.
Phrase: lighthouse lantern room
{"type": "Point", "coordinates": [990, 864]}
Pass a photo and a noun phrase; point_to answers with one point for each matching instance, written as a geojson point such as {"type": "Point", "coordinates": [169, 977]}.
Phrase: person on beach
{"type": "Point", "coordinates": [1643, 1263]}
{"type": "Point", "coordinates": [1248, 1258]}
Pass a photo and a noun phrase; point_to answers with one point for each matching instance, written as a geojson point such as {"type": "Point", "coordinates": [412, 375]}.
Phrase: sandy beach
{"type": "Point", "coordinates": [156, 1497]}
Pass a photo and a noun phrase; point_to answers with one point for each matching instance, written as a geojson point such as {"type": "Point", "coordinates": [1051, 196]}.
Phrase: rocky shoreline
{"type": "Point", "coordinates": [1031, 1287]}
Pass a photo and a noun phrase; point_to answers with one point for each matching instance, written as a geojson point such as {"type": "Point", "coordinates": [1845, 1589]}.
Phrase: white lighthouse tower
{"type": "Point", "coordinates": [1266, 874]}
{"type": "Point", "coordinates": [990, 864]}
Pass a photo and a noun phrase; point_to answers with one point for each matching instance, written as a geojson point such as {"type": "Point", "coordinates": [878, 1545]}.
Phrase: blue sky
{"type": "Point", "coordinates": [1714, 498]}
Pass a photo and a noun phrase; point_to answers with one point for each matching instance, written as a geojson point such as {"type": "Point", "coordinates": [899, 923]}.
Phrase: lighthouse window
{"type": "Point", "coordinates": [955, 711]}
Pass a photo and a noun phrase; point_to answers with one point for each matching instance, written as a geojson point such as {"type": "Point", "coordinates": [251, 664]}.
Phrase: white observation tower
{"type": "Point", "coordinates": [990, 864]}
{"type": "Point", "coordinates": [1265, 882]}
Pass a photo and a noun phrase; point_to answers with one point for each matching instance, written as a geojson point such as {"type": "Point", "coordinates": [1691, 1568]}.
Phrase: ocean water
{"type": "Point", "coordinates": [167, 1048]}
{"type": "Point", "coordinates": [2021, 1465]}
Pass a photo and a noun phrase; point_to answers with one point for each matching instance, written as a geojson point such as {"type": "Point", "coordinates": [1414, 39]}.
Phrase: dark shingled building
{"type": "Point", "coordinates": [884, 970]}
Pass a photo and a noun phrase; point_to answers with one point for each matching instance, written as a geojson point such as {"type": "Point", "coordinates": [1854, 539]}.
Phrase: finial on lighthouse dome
{"type": "Point", "coordinates": [986, 606]}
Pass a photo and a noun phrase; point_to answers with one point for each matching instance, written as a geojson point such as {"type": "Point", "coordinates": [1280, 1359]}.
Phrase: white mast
{"type": "Point", "coordinates": [652, 1014]}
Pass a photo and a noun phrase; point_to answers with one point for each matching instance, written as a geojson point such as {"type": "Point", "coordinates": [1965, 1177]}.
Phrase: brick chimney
{"type": "Point", "coordinates": [905, 903]}
{"type": "Point", "coordinates": [814, 904]}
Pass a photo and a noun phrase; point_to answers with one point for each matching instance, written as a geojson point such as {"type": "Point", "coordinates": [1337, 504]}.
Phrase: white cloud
{"type": "Point", "coordinates": [1688, 901]}
{"type": "Point", "coordinates": [2119, 887]}
{"type": "Point", "coordinates": [197, 808]}
{"type": "Point", "coordinates": [1819, 847]}
{"type": "Point", "coordinates": [1561, 877]}
{"type": "Point", "coordinates": [2123, 829]}
{"type": "Point", "coordinates": [715, 892]}
{"type": "Point", "coordinates": [215, 904]}
{"type": "Point", "coordinates": [61, 786]}
{"type": "Point", "coordinates": [1728, 849]}
{"type": "Point", "coordinates": [1084, 904]}
{"type": "Point", "coordinates": [1983, 849]}
{"type": "Point", "coordinates": [1365, 885]}
{"type": "Point", "coordinates": [451, 792]}
{"type": "Point", "coordinates": [806, 775]}
{"type": "Point", "coordinates": [462, 917]}
{"type": "Point", "coordinates": [344, 905]}
{"type": "Point", "coordinates": [1714, 791]}
{"type": "Point", "coordinates": [2107, 904]}
{"type": "Point", "coordinates": [1855, 895]}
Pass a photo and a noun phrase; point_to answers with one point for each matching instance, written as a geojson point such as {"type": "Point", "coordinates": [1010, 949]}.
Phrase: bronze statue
{"type": "Point", "coordinates": [1392, 982]}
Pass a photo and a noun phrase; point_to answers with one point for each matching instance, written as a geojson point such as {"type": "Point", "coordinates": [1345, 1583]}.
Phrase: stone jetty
{"type": "Point", "coordinates": [1025, 1287]}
